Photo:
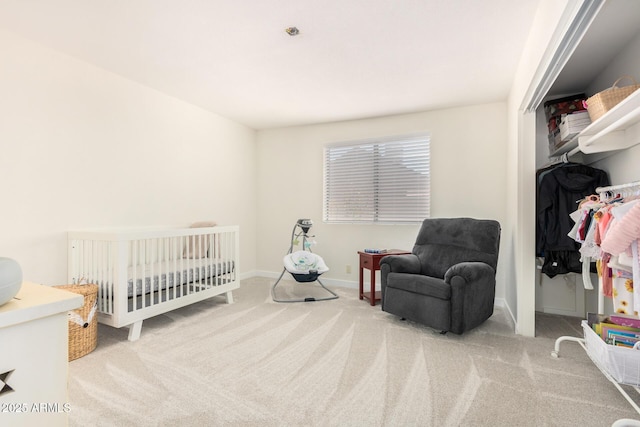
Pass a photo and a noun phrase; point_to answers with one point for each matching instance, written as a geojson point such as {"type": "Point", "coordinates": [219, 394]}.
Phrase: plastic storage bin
{"type": "Point", "coordinates": [622, 363]}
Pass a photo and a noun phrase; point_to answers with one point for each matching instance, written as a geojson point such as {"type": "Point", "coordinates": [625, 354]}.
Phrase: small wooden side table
{"type": "Point", "coordinates": [372, 262]}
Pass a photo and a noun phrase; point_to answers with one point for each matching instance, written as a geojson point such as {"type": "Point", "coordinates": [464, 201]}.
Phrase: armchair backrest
{"type": "Point", "coordinates": [443, 242]}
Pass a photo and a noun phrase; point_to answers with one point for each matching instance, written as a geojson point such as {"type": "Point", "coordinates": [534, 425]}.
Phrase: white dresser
{"type": "Point", "coordinates": [34, 356]}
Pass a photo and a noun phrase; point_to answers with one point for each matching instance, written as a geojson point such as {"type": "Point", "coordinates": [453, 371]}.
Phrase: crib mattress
{"type": "Point", "coordinates": [159, 276]}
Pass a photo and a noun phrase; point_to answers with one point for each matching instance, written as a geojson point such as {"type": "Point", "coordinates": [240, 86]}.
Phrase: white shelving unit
{"type": "Point", "coordinates": [583, 343]}
{"type": "Point", "coordinates": [618, 129]}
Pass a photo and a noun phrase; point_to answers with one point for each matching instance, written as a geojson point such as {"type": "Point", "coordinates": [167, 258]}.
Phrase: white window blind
{"type": "Point", "coordinates": [385, 181]}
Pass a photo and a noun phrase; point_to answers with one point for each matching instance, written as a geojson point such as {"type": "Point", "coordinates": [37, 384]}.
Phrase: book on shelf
{"type": "Point", "coordinates": [623, 341]}
{"type": "Point", "coordinates": [619, 335]}
{"type": "Point", "coordinates": [624, 335]}
{"type": "Point", "coordinates": [625, 320]}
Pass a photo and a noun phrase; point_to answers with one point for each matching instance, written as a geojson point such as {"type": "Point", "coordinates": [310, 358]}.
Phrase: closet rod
{"type": "Point", "coordinates": [573, 152]}
{"type": "Point", "coordinates": [563, 158]}
{"type": "Point", "coordinates": [618, 187]}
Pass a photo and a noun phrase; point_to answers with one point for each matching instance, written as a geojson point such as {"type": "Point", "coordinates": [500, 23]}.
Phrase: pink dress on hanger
{"type": "Point", "coordinates": [622, 236]}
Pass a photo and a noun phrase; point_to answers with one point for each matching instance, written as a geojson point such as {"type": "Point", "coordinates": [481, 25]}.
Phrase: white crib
{"type": "Point", "coordinates": [145, 272]}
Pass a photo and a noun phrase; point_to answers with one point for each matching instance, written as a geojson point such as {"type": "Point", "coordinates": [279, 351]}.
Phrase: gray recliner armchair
{"type": "Point", "coordinates": [448, 281]}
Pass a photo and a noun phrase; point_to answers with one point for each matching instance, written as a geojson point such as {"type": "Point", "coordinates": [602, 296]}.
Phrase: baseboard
{"type": "Point", "coordinates": [331, 282]}
{"type": "Point", "coordinates": [248, 275]}
{"type": "Point", "coordinates": [510, 313]}
{"type": "Point", "coordinates": [561, 312]}
{"type": "Point", "coordinates": [498, 302]}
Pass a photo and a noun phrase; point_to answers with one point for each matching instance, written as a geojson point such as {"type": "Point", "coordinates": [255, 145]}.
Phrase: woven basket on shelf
{"type": "Point", "coordinates": [604, 101]}
{"type": "Point", "coordinates": [83, 322]}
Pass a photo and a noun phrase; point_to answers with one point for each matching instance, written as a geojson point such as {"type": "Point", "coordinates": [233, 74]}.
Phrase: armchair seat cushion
{"type": "Point", "coordinates": [418, 284]}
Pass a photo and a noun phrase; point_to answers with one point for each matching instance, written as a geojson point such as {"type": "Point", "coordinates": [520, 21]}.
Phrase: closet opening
{"type": "Point", "coordinates": [608, 48]}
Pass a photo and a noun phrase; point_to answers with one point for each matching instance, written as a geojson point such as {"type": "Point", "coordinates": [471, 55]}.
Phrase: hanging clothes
{"type": "Point", "coordinates": [612, 240]}
{"type": "Point", "coordinates": [621, 239]}
{"type": "Point", "coordinates": [559, 188]}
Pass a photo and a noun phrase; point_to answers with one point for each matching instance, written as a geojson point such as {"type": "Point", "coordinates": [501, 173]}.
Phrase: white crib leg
{"type": "Point", "coordinates": [134, 330]}
{"type": "Point", "coordinates": [229, 297]}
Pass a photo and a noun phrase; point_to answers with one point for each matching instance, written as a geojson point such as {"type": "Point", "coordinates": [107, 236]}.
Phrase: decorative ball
{"type": "Point", "coordinates": [10, 279]}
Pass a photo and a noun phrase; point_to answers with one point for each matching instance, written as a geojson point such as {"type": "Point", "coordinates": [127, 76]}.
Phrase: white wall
{"type": "Point", "coordinates": [468, 157]}
{"type": "Point", "coordinates": [84, 148]}
{"type": "Point", "coordinates": [520, 229]}
{"type": "Point", "coordinates": [626, 62]}
{"type": "Point", "coordinates": [621, 166]}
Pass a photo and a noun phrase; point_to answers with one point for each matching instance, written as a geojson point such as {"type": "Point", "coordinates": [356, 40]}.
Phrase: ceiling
{"type": "Point", "coordinates": [352, 58]}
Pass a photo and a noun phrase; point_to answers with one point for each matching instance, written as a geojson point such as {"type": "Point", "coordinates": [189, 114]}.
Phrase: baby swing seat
{"type": "Point", "coordinates": [303, 265]}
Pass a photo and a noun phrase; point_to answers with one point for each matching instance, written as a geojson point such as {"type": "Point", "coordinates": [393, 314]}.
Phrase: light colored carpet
{"type": "Point", "coordinates": [333, 363]}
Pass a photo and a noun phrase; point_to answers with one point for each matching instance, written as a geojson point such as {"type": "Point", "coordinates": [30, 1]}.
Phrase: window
{"type": "Point", "coordinates": [377, 181]}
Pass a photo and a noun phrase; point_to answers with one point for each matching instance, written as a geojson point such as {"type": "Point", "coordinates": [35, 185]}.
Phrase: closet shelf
{"type": "Point", "coordinates": [618, 129]}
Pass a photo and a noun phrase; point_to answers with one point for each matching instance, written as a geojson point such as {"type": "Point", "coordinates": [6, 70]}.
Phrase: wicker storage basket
{"type": "Point", "coordinates": [83, 322]}
{"type": "Point", "coordinates": [604, 101]}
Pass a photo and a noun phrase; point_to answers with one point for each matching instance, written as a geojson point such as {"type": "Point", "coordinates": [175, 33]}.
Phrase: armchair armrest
{"type": "Point", "coordinates": [470, 271]}
{"type": "Point", "coordinates": [473, 287]}
{"type": "Point", "coordinates": [407, 263]}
